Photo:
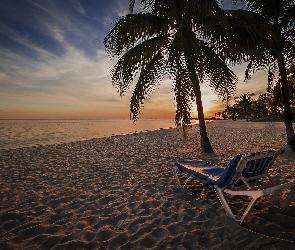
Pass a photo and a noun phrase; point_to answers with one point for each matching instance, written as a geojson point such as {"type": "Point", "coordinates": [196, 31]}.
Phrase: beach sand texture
{"type": "Point", "coordinates": [120, 193]}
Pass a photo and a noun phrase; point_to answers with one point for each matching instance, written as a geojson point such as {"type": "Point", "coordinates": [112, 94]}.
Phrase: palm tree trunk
{"type": "Point", "coordinates": [288, 116]}
{"type": "Point", "coordinates": [247, 114]}
{"type": "Point", "coordinates": [205, 143]}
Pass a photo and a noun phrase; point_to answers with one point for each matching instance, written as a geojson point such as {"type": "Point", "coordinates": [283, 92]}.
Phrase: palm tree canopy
{"type": "Point", "coordinates": [240, 36]}
{"type": "Point", "coordinates": [281, 10]}
{"type": "Point", "coordinates": [152, 46]}
{"type": "Point", "coordinates": [277, 24]}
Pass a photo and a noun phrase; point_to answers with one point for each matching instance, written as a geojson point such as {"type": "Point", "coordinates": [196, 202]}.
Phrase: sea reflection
{"type": "Point", "coordinates": [23, 133]}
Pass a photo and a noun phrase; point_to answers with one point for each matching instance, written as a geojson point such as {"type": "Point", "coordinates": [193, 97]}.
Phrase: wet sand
{"type": "Point", "coordinates": [120, 193]}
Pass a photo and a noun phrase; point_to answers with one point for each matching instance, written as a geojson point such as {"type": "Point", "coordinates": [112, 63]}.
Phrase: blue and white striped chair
{"type": "Point", "coordinates": [245, 174]}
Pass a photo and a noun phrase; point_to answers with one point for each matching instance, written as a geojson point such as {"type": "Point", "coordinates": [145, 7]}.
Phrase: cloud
{"type": "Point", "coordinates": [3, 76]}
{"type": "Point", "coordinates": [78, 6]}
{"type": "Point", "coordinates": [227, 4]}
{"type": "Point", "coordinates": [72, 73]}
{"type": "Point", "coordinates": [72, 79]}
{"type": "Point", "coordinates": [121, 9]}
{"type": "Point", "coordinates": [53, 58]}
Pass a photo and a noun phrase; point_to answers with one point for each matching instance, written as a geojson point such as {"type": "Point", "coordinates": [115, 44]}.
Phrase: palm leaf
{"type": "Point", "coordinates": [265, 62]}
{"type": "Point", "coordinates": [204, 14]}
{"type": "Point", "coordinates": [132, 29]}
{"type": "Point", "coordinates": [183, 91]}
{"type": "Point", "coordinates": [209, 66]}
{"type": "Point", "coordinates": [150, 76]}
{"type": "Point", "coordinates": [131, 63]}
{"type": "Point", "coordinates": [246, 34]}
{"type": "Point", "coordinates": [289, 52]}
{"type": "Point", "coordinates": [183, 88]}
{"type": "Point", "coordinates": [288, 19]}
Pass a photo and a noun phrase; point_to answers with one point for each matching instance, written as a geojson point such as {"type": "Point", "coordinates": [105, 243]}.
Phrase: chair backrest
{"type": "Point", "coordinates": [254, 166]}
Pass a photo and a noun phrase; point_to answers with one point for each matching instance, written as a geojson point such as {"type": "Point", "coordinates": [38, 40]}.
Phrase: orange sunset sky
{"type": "Point", "coordinates": [53, 64]}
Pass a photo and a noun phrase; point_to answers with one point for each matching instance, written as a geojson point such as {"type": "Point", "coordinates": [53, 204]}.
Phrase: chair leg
{"type": "Point", "coordinates": [254, 195]}
{"type": "Point", "coordinates": [175, 173]}
{"type": "Point", "coordinates": [248, 209]}
{"type": "Point", "coordinates": [224, 203]}
{"type": "Point", "coordinates": [289, 198]}
{"type": "Point", "coordinates": [228, 209]}
{"type": "Point", "coordinates": [187, 180]}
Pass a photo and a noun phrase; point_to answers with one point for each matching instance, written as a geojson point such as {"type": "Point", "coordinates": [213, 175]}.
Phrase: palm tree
{"type": "Point", "coordinates": [244, 101]}
{"type": "Point", "coordinates": [218, 115]}
{"type": "Point", "coordinates": [260, 105]}
{"type": "Point", "coordinates": [170, 39]}
{"type": "Point", "coordinates": [231, 112]}
{"type": "Point", "coordinates": [278, 48]}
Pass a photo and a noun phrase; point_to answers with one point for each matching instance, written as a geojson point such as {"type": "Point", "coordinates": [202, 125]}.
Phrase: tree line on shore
{"type": "Point", "coordinates": [269, 105]}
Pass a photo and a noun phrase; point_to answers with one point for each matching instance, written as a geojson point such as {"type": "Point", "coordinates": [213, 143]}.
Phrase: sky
{"type": "Point", "coordinates": [54, 65]}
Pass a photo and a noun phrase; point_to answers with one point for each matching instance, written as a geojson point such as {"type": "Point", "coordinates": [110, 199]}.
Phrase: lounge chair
{"type": "Point", "coordinates": [245, 174]}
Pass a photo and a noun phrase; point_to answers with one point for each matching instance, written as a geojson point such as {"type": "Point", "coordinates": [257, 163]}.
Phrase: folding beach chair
{"type": "Point", "coordinates": [245, 174]}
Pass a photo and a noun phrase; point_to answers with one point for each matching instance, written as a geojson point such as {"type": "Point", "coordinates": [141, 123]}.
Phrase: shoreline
{"type": "Point", "coordinates": [25, 133]}
{"type": "Point", "coordinates": [82, 140]}
{"type": "Point", "coordinates": [119, 192]}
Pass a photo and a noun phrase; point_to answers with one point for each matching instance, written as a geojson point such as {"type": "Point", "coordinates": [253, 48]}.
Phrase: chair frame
{"type": "Point", "coordinates": [253, 170]}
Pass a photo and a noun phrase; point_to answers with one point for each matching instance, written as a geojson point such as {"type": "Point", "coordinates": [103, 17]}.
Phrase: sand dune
{"type": "Point", "coordinates": [120, 193]}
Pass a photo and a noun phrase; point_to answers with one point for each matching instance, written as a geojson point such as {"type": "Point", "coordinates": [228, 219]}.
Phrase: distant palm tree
{"type": "Point", "coordinates": [277, 19]}
{"type": "Point", "coordinates": [171, 39]}
{"type": "Point", "coordinates": [244, 101]}
{"type": "Point", "coordinates": [231, 112]}
{"type": "Point", "coordinates": [260, 105]}
{"type": "Point", "coordinates": [218, 115]}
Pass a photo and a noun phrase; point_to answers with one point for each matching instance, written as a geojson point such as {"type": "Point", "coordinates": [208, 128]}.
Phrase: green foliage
{"type": "Point", "coordinates": [247, 108]}
{"type": "Point", "coordinates": [261, 109]}
{"type": "Point", "coordinates": [269, 106]}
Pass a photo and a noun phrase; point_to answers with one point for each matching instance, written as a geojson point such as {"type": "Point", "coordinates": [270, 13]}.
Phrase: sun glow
{"type": "Point", "coordinates": [208, 106]}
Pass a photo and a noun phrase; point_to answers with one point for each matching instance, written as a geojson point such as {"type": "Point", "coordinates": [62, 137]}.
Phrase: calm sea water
{"type": "Point", "coordinates": [23, 133]}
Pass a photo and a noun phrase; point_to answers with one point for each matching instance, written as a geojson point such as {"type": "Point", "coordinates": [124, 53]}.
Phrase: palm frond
{"type": "Point", "coordinates": [135, 59]}
{"type": "Point", "coordinates": [246, 34]}
{"type": "Point", "coordinates": [282, 10]}
{"type": "Point", "coordinates": [146, 4]}
{"type": "Point", "coordinates": [183, 91]}
{"type": "Point", "coordinates": [131, 5]}
{"type": "Point", "coordinates": [131, 29]}
{"type": "Point", "coordinates": [183, 88]}
{"type": "Point", "coordinates": [288, 19]}
{"type": "Point", "coordinates": [289, 52]}
{"type": "Point", "coordinates": [150, 76]}
{"type": "Point", "coordinates": [209, 66]}
{"type": "Point", "coordinates": [168, 9]}
{"type": "Point", "coordinates": [265, 62]}
{"type": "Point", "coordinates": [174, 56]}
{"type": "Point", "coordinates": [205, 14]}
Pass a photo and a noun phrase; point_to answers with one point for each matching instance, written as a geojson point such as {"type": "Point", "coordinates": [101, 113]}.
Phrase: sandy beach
{"type": "Point", "coordinates": [120, 193]}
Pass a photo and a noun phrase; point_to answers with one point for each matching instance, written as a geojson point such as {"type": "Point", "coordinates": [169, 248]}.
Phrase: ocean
{"type": "Point", "coordinates": [26, 133]}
